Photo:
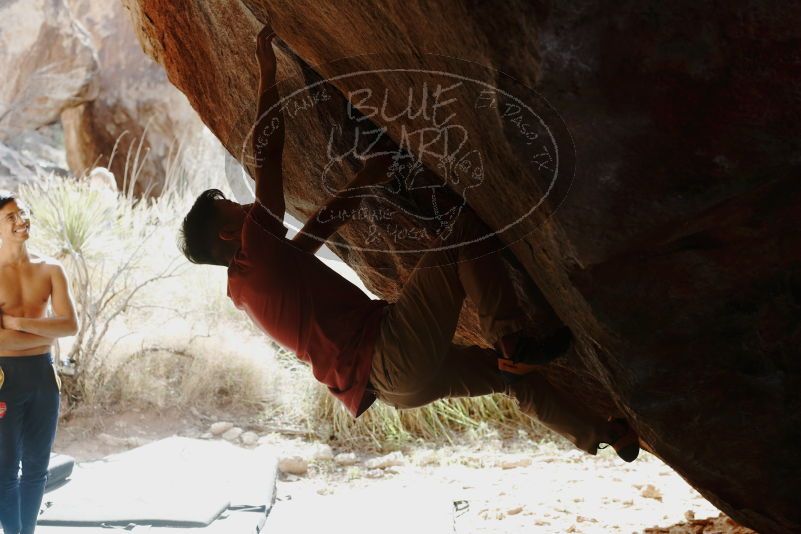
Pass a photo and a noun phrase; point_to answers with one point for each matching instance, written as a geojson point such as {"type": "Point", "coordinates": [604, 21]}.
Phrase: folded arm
{"type": "Point", "coordinates": [14, 340]}
{"type": "Point", "coordinates": [63, 323]}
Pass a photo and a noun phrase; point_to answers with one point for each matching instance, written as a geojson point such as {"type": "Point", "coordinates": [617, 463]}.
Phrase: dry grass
{"type": "Point", "coordinates": [383, 426]}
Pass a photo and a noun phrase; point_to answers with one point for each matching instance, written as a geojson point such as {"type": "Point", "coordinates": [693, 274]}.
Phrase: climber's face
{"type": "Point", "coordinates": [229, 217]}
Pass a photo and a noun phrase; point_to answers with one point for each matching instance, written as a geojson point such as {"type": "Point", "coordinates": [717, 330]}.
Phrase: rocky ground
{"type": "Point", "coordinates": [510, 485]}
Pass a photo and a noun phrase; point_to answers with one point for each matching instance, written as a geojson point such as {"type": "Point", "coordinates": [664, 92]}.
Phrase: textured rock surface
{"type": "Point", "coordinates": [25, 156]}
{"type": "Point", "coordinates": [136, 108]}
{"type": "Point", "coordinates": [675, 257]}
{"type": "Point", "coordinates": [712, 525]}
{"type": "Point", "coordinates": [47, 64]}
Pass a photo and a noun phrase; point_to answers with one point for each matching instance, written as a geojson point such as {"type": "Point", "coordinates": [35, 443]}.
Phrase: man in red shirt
{"type": "Point", "coordinates": [363, 349]}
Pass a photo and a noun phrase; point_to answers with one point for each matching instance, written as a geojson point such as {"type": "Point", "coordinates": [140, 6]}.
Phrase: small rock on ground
{"type": "Point", "coordinates": [249, 438]}
{"type": "Point", "coordinates": [232, 434]}
{"type": "Point", "coordinates": [389, 460]}
{"type": "Point", "coordinates": [650, 492]}
{"type": "Point", "coordinates": [346, 458]}
{"type": "Point", "coordinates": [426, 457]}
{"type": "Point", "coordinates": [293, 465]}
{"type": "Point", "coordinates": [221, 427]}
{"type": "Point", "coordinates": [514, 461]}
{"type": "Point", "coordinates": [322, 452]}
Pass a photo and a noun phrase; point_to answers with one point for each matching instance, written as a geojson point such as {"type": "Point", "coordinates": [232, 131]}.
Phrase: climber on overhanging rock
{"type": "Point", "coordinates": [363, 349]}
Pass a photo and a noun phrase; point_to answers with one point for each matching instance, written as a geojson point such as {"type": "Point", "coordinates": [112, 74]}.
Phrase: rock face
{"type": "Point", "coordinates": [47, 64]}
{"type": "Point", "coordinates": [137, 117]}
{"type": "Point", "coordinates": [659, 214]}
{"type": "Point", "coordinates": [25, 156]}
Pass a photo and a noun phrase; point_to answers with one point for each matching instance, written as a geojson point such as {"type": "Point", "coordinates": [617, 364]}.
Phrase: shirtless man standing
{"type": "Point", "coordinates": [29, 388]}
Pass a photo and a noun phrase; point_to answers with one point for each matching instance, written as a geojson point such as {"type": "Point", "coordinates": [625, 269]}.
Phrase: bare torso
{"type": "Point", "coordinates": [25, 290]}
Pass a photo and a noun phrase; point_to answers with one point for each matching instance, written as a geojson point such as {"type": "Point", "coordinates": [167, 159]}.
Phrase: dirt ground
{"type": "Point", "coordinates": [501, 485]}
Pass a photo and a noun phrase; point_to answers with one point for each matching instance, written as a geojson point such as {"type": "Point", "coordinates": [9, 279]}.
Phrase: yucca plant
{"type": "Point", "coordinates": [71, 217]}
{"type": "Point", "coordinates": [101, 237]}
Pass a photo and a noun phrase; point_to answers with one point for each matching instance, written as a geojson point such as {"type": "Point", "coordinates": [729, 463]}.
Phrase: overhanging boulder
{"type": "Point", "coordinates": [674, 255]}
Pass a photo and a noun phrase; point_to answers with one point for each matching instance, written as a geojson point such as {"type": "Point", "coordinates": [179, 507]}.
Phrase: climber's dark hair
{"type": "Point", "coordinates": [198, 238]}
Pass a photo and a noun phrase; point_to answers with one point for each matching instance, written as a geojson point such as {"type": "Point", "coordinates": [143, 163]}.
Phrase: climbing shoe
{"type": "Point", "coordinates": [520, 355]}
{"type": "Point", "coordinates": [624, 440]}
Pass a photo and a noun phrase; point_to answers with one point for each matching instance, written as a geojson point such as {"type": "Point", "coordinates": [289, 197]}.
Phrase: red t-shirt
{"type": "Point", "coordinates": [307, 307]}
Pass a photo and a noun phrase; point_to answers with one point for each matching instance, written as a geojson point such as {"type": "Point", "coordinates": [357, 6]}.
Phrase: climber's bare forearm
{"type": "Point", "coordinates": [327, 220]}
{"type": "Point", "coordinates": [268, 132]}
{"type": "Point", "coordinates": [268, 139]}
{"type": "Point", "coordinates": [342, 207]}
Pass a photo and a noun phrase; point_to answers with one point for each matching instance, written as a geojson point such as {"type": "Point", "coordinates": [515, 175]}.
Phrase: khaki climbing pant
{"type": "Point", "coordinates": [415, 361]}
